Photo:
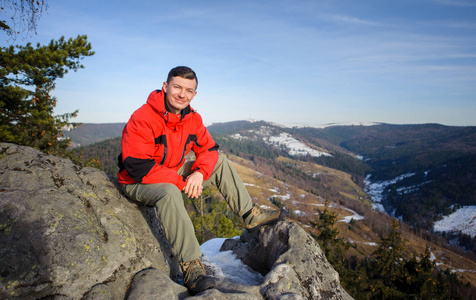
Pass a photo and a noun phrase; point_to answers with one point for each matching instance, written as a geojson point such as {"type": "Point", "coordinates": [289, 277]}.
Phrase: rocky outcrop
{"type": "Point", "coordinates": [67, 233]}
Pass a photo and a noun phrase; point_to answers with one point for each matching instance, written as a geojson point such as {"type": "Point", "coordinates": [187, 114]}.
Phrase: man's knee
{"type": "Point", "coordinates": [168, 189]}
{"type": "Point", "coordinates": [170, 197]}
{"type": "Point", "coordinates": [221, 160]}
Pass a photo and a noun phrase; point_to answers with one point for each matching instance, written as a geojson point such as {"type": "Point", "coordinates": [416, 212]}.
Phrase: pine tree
{"type": "Point", "coordinates": [226, 228]}
{"type": "Point", "coordinates": [334, 248]}
{"type": "Point", "coordinates": [417, 278]}
{"type": "Point", "coordinates": [388, 266]}
{"type": "Point", "coordinates": [389, 254]}
{"type": "Point", "coordinates": [27, 78]}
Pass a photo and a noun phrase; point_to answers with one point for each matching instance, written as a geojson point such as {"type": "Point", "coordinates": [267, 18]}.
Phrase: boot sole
{"type": "Point", "coordinates": [281, 216]}
{"type": "Point", "coordinates": [208, 283]}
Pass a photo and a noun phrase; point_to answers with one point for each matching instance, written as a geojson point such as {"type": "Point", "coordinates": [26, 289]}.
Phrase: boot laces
{"type": "Point", "coordinates": [193, 270]}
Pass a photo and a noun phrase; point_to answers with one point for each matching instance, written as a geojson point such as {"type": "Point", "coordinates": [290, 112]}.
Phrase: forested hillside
{"type": "Point", "coordinates": [105, 152]}
{"type": "Point", "coordinates": [427, 170]}
{"type": "Point", "coordinates": [88, 134]}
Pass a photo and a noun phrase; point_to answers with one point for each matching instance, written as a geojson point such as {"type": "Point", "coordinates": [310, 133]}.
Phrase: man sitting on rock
{"type": "Point", "coordinates": [153, 170]}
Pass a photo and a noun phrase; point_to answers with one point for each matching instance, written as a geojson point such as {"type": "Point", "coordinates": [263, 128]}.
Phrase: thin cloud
{"type": "Point", "coordinates": [463, 3]}
{"type": "Point", "coordinates": [354, 20]}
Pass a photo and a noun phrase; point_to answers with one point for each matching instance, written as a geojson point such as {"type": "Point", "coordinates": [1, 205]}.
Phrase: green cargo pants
{"type": "Point", "coordinates": [169, 204]}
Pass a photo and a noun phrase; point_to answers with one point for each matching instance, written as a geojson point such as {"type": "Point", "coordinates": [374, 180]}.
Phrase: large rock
{"type": "Point", "coordinates": [67, 233]}
{"type": "Point", "coordinates": [291, 261]}
{"type": "Point", "coordinates": [65, 230]}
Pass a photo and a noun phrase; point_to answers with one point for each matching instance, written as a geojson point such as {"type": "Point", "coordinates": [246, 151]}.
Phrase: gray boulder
{"type": "Point", "coordinates": [68, 233]}
{"type": "Point", "coordinates": [292, 262]}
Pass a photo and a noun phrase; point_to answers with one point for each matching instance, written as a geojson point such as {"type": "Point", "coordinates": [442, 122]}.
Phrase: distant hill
{"type": "Point", "coordinates": [90, 133]}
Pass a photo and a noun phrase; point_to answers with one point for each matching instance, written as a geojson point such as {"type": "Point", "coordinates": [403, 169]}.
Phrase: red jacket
{"type": "Point", "coordinates": [155, 143]}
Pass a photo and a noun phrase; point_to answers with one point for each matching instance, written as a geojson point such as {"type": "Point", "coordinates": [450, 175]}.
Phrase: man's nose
{"type": "Point", "coordinates": [182, 93]}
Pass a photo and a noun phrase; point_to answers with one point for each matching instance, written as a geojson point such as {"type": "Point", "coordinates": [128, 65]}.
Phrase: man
{"type": "Point", "coordinates": [153, 170]}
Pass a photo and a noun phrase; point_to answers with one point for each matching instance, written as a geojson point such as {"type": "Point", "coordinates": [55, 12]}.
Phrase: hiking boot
{"type": "Point", "coordinates": [195, 278]}
{"type": "Point", "coordinates": [256, 217]}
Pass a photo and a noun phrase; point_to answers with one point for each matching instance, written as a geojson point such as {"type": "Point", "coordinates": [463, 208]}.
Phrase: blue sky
{"type": "Point", "coordinates": [290, 62]}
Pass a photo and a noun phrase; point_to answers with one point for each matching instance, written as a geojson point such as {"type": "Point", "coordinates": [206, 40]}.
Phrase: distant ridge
{"type": "Point", "coordinates": [90, 133]}
{"type": "Point", "coordinates": [346, 124]}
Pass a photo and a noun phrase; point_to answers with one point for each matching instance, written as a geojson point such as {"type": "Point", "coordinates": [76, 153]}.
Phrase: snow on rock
{"type": "Point", "coordinates": [224, 264]}
{"type": "Point", "coordinates": [463, 219]}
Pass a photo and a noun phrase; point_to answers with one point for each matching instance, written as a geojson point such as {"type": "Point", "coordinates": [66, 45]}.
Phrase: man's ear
{"type": "Point", "coordinates": [164, 86]}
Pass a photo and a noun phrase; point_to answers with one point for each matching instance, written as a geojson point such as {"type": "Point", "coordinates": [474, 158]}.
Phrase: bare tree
{"type": "Point", "coordinates": [22, 16]}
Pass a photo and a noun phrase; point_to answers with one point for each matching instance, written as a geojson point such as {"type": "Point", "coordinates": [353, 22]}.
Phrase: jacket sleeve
{"type": "Point", "coordinates": [206, 151]}
{"type": "Point", "coordinates": [138, 148]}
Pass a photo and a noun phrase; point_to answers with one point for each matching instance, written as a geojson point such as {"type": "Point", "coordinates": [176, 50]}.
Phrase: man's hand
{"type": "Point", "coordinates": [193, 188]}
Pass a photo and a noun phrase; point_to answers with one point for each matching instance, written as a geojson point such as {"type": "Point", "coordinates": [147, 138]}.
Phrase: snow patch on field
{"type": "Point", "coordinates": [464, 220]}
{"type": "Point", "coordinates": [355, 216]}
{"type": "Point", "coordinates": [375, 189]}
{"type": "Point", "coordinates": [283, 140]}
{"type": "Point", "coordinates": [294, 146]}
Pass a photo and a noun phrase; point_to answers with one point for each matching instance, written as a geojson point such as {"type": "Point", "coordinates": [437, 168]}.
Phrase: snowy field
{"type": "Point", "coordinates": [284, 140]}
{"type": "Point", "coordinates": [355, 216]}
{"type": "Point", "coordinates": [463, 219]}
{"type": "Point", "coordinates": [294, 146]}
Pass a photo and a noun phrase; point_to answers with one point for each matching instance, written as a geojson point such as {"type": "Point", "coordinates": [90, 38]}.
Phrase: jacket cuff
{"type": "Point", "coordinates": [197, 169]}
{"type": "Point", "coordinates": [181, 183]}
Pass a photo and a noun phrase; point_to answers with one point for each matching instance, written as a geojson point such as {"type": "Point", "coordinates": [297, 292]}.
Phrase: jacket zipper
{"type": "Point", "coordinates": [165, 144]}
{"type": "Point", "coordinates": [165, 155]}
{"type": "Point", "coordinates": [183, 154]}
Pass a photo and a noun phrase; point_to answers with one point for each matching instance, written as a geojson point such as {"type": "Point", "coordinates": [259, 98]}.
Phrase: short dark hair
{"type": "Point", "coordinates": [184, 72]}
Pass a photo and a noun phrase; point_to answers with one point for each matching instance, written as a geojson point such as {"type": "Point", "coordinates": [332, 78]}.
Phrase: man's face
{"type": "Point", "coordinates": [179, 93]}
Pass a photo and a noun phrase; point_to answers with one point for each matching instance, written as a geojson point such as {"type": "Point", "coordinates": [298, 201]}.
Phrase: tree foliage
{"type": "Point", "coordinates": [212, 217]}
{"type": "Point", "coordinates": [334, 248]}
{"type": "Point", "coordinates": [389, 254]}
{"type": "Point", "coordinates": [27, 78]}
{"type": "Point", "coordinates": [388, 274]}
